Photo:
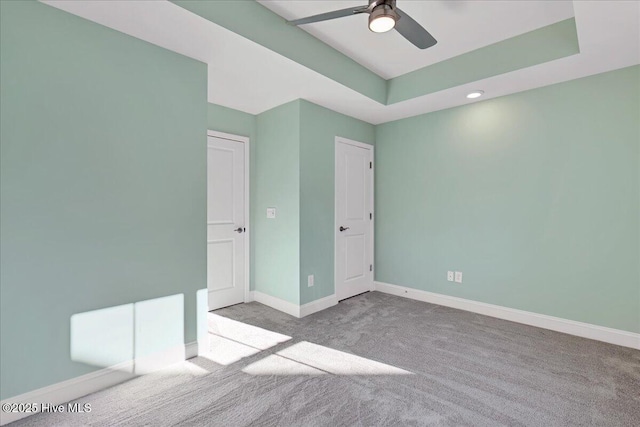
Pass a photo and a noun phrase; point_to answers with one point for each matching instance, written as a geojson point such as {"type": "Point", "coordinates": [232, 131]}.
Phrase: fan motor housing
{"type": "Point", "coordinates": [375, 3]}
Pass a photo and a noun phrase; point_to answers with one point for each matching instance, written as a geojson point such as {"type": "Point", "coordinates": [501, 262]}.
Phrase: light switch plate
{"type": "Point", "coordinates": [458, 276]}
{"type": "Point", "coordinates": [271, 213]}
{"type": "Point", "coordinates": [450, 276]}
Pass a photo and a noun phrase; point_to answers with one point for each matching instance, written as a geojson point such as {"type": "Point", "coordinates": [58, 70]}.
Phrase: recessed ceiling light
{"type": "Point", "coordinates": [475, 94]}
{"type": "Point", "coordinates": [382, 19]}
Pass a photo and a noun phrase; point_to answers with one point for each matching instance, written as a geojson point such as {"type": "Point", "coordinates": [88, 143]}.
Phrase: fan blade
{"type": "Point", "coordinates": [329, 15]}
{"type": "Point", "coordinates": [413, 31]}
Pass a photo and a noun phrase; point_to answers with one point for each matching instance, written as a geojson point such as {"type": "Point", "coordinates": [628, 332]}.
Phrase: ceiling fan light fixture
{"type": "Point", "coordinates": [382, 19]}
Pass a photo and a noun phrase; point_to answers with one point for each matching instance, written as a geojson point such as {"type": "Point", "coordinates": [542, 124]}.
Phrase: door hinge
{"type": "Point", "coordinates": [370, 165]}
{"type": "Point", "coordinates": [370, 215]}
{"type": "Point", "coordinates": [370, 267]}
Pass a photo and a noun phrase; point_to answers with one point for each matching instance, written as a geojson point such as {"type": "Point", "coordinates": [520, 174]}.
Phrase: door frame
{"type": "Point", "coordinates": [247, 187]}
{"type": "Point", "coordinates": [370, 249]}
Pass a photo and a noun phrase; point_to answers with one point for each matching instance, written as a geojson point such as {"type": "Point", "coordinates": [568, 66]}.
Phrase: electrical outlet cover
{"type": "Point", "coordinates": [450, 276]}
{"type": "Point", "coordinates": [458, 276]}
{"type": "Point", "coordinates": [310, 280]}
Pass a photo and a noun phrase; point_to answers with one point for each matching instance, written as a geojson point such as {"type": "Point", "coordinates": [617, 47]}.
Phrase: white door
{"type": "Point", "coordinates": [354, 218]}
{"type": "Point", "coordinates": [225, 222]}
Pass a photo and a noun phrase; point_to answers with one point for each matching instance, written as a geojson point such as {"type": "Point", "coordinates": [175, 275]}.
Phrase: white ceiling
{"type": "Point", "coordinates": [459, 27]}
{"type": "Point", "coordinates": [249, 77]}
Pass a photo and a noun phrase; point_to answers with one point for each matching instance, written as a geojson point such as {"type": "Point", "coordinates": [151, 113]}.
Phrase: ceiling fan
{"type": "Point", "coordinates": [384, 15]}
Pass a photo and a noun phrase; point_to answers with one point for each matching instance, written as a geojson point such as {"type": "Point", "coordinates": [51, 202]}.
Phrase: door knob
{"type": "Point", "coordinates": [239, 229]}
{"type": "Point", "coordinates": [343, 228]}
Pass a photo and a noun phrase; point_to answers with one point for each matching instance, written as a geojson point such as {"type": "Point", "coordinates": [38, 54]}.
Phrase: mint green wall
{"type": "Point", "coordinates": [293, 171]}
{"type": "Point", "coordinates": [318, 128]}
{"type": "Point", "coordinates": [91, 121]}
{"type": "Point", "coordinates": [533, 196]}
{"type": "Point", "coordinates": [228, 120]}
{"type": "Point", "coordinates": [277, 184]}
{"type": "Point", "coordinates": [223, 119]}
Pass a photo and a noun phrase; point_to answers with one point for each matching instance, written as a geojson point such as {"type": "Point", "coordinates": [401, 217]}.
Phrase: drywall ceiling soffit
{"type": "Point", "coordinates": [247, 18]}
{"type": "Point", "coordinates": [535, 47]}
{"type": "Point", "coordinates": [248, 76]}
{"type": "Point", "coordinates": [459, 26]}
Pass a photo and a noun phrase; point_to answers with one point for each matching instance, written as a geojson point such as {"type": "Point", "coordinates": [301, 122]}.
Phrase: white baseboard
{"type": "Point", "coordinates": [572, 327]}
{"type": "Point", "coordinates": [68, 390]}
{"type": "Point", "coordinates": [162, 359]}
{"type": "Point", "coordinates": [249, 297]}
{"type": "Point", "coordinates": [277, 303]}
{"type": "Point", "coordinates": [318, 305]}
{"type": "Point", "coordinates": [294, 309]}
{"type": "Point", "coordinates": [75, 388]}
{"type": "Point", "coordinates": [193, 349]}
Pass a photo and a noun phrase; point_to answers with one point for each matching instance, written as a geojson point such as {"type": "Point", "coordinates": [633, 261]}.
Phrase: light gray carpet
{"type": "Point", "coordinates": [418, 364]}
